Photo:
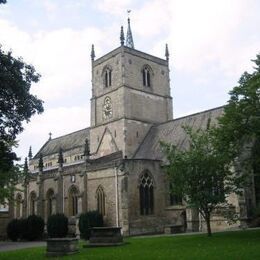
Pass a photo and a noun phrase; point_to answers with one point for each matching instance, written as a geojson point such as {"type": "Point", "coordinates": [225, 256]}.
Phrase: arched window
{"type": "Point", "coordinates": [18, 205]}
{"type": "Point", "coordinates": [107, 74]}
{"type": "Point", "coordinates": [100, 200]}
{"type": "Point", "coordinates": [146, 72]}
{"type": "Point", "coordinates": [73, 201]}
{"type": "Point", "coordinates": [50, 198]}
{"type": "Point", "coordinates": [146, 187]}
{"type": "Point", "coordinates": [33, 199]}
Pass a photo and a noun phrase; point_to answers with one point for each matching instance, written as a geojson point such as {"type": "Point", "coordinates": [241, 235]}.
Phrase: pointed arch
{"type": "Point", "coordinates": [147, 74]}
{"type": "Point", "coordinates": [50, 199]}
{"type": "Point", "coordinates": [107, 76]}
{"type": "Point", "coordinates": [32, 203]}
{"type": "Point", "coordinates": [18, 201]}
{"type": "Point", "coordinates": [146, 193]}
{"type": "Point", "coordinates": [73, 200]}
{"type": "Point", "coordinates": [101, 200]}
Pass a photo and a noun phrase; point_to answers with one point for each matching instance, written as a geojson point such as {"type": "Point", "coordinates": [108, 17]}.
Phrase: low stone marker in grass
{"type": "Point", "coordinates": [62, 246]}
{"type": "Point", "coordinates": [105, 236]}
{"type": "Point", "coordinates": [173, 229]}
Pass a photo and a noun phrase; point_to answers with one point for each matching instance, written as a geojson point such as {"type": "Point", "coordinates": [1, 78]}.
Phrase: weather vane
{"type": "Point", "coordinates": [128, 12]}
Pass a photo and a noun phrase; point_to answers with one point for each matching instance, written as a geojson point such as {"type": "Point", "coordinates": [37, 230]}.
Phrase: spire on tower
{"type": "Point", "coordinates": [122, 36]}
{"type": "Point", "coordinates": [92, 52]}
{"type": "Point", "coordinates": [129, 37]}
{"type": "Point", "coordinates": [167, 52]}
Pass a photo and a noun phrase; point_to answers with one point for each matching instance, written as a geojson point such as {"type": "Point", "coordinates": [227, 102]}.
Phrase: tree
{"type": "Point", "coordinates": [16, 106]}
{"type": "Point", "coordinates": [201, 174]}
{"type": "Point", "coordinates": [239, 128]}
{"type": "Point", "coordinates": [241, 120]}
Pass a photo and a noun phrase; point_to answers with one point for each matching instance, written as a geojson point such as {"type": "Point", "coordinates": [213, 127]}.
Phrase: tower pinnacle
{"type": "Point", "coordinates": [167, 52]}
{"type": "Point", "coordinates": [122, 36]}
{"type": "Point", "coordinates": [92, 55]}
{"type": "Point", "coordinates": [129, 37]}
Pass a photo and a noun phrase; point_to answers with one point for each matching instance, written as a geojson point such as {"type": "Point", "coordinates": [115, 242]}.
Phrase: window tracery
{"type": "Point", "coordinates": [146, 192]}
{"type": "Point", "coordinates": [100, 200]}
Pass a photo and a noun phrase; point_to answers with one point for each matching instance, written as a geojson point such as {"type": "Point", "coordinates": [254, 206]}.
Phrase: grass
{"type": "Point", "coordinates": [226, 245]}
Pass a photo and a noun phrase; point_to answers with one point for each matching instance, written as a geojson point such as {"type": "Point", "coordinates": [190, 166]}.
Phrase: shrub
{"type": "Point", "coordinates": [23, 228]}
{"type": "Point", "coordinates": [12, 230]}
{"type": "Point", "coordinates": [89, 220]}
{"type": "Point", "coordinates": [57, 225]}
{"type": "Point", "coordinates": [35, 227]}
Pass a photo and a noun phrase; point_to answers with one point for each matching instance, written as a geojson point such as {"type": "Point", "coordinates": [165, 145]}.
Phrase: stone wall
{"type": "Point", "coordinates": [139, 224]}
{"type": "Point", "coordinates": [4, 219]}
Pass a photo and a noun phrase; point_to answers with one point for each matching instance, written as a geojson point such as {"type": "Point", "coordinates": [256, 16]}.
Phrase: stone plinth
{"type": "Point", "coordinates": [105, 236]}
{"type": "Point", "coordinates": [62, 246]}
{"type": "Point", "coordinates": [173, 229]}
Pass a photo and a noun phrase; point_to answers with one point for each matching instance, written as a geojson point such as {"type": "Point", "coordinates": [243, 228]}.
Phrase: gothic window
{"type": "Point", "coordinates": [73, 201]}
{"type": "Point", "coordinates": [146, 192]}
{"type": "Point", "coordinates": [100, 200]}
{"type": "Point", "coordinates": [50, 198]}
{"type": "Point", "coordinates": [18, 205]}
{"type": "Point", "coordinates": [107, 74]}
{"type": "Point", "coordinates": [146, 73]}
{"type": "Point", "coordinates": [33, 199]}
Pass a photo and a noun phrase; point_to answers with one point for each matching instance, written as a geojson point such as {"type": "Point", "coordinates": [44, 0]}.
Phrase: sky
{"type": "Point", "coordinates": [211, 43]}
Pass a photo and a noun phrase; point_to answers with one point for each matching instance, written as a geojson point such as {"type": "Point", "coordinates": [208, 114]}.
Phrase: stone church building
{"type": "Point", "coordinates": [115, 165]}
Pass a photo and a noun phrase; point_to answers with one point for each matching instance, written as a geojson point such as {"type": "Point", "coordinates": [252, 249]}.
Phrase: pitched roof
{"type": "Point", "coordinates": [66, 142]}
{"type": "Point", "coordinates": [173, 132]}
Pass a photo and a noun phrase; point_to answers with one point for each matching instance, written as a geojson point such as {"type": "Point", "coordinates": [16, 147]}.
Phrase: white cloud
{"type": "Point", "coordinates": [62, 57]}
{"type": "Point", "coordinates": [58, 121]}
{"type": "Point", "coordinates": [205, 38]}
{"type": "Point", "coordinates": [114, 7]}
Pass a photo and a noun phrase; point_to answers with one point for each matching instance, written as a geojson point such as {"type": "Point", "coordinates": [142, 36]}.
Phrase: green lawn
{"type": "Point", "coordinates": [226, 245]}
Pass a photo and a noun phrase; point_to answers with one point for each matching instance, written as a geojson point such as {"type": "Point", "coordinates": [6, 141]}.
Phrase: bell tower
{"type": "Point", "coordinates": [130, 93]}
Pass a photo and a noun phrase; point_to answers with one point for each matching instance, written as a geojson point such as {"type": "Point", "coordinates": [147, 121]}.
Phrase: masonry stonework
{"type": "Point", "coordinates": [119, 154]}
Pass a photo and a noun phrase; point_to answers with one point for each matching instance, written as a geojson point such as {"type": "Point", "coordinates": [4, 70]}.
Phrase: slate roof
{"type": "Point", "coordinates": [66, 142]}
{"type": "Point", "coordinates": [173, 132]}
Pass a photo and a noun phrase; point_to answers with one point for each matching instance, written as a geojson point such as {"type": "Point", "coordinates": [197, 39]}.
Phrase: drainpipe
{"type": "Point", "coordinates": [63, 199]}
{"type": "Point", "coordinates": [116, 193]}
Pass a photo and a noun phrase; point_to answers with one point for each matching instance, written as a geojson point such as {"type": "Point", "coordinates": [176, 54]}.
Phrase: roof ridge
{"type": "Point", "coordinates": [194, 114]}
{"type": "Point", "coordinates": [55, 139]}
{"type": "Point", "coordinates": [70, 133]}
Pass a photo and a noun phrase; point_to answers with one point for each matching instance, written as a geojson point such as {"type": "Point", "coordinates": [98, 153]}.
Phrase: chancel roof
{"type": "Point", "coordinates": [66, 142]}
{"type": "Point", "coordinates": [173, 132]}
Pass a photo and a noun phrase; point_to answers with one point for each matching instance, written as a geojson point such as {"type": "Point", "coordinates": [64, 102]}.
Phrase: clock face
{"type": "Point", "coordinates": [107, 108]}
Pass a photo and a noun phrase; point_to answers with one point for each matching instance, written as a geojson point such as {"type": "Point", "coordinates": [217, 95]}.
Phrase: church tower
{"type": "Point", "coordinates": [130, 93]}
